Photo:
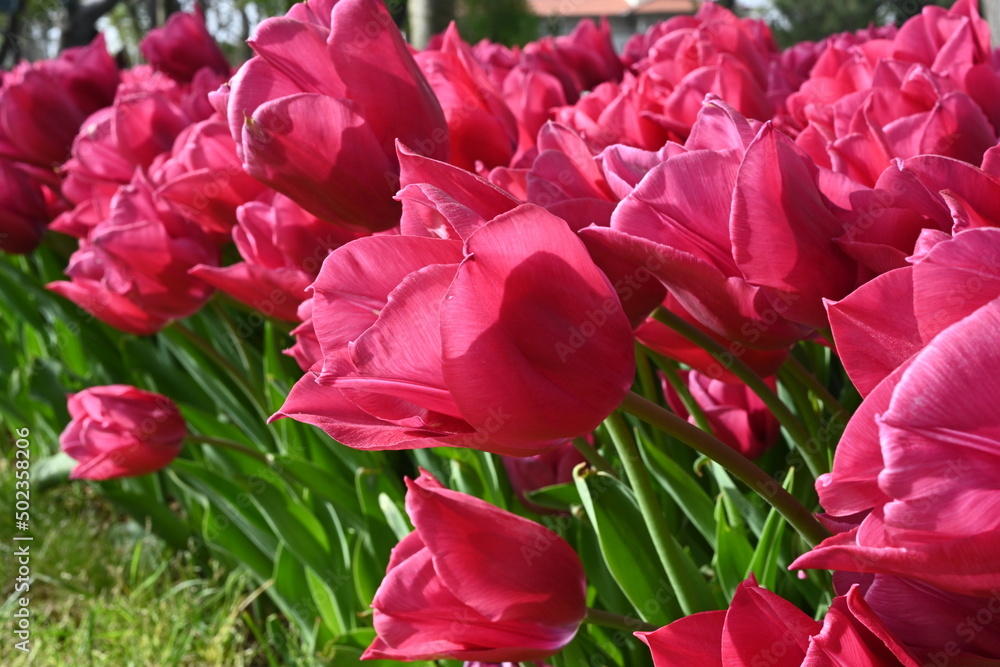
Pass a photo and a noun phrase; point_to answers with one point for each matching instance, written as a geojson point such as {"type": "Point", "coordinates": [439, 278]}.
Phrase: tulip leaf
{"type": "Point", "coordinates": [51, 471]}
{"type": "Point", "coordinates": [396, 520]}
{"type": "Point", "coordinates": [625, 543]}
{"type": "Point", "coordinates": [325, 484]}
{"type": "Point", "coordinates": [232, 500]}
{"type": "Point", "coordinates": [733, 552]}
{"type": "Point", "coordinates": [291, 591]}
{"type": "Point", "coordinates": [324, 595]}
{"type": "Point", "coordinates": [684, 490]}
{"type": "Point", "coordinates": [221, 533]}
{"type": "Point", "coordinates": [764, 563]}
{"type": "Point", "coordinates": [145, 507]}
{"type": "Point", "coordinates": [369, 569]}
{"type": "Point", "coordinates": [297, 527]}
{"type": "Point", "coordinates": [562, 497]}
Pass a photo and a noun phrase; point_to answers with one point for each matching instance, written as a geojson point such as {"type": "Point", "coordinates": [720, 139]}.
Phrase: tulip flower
{"type": "Point", "coordinates": [316, 113]}
{"type": "Point", "coordinates": [737, 415]}
{"type": "Point", "coordinates": [24, 213]}
{"type": "Point", "coordinates": [283, 248]}
{"type": "Point", "coordinates": [120, 431]}
{"type": "Point", "coordinates": [510, 342]}
{"type": "Point", "coordinates": [183, 46]}
{"type": "Point", "coordinates": [132, 270]}
{"type": "Point", "coordinates": [762, 628]}
{"type": "Point", "coordinates": [474, 582]}
{"type": "Point", "coordinates": [922, 467]}
{"type": "Point", "coordinates": [939, 626]}
{"type": "Point", "coordinates": [43, 104]}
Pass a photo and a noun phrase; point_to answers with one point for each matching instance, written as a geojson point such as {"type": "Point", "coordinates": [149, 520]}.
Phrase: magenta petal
{"type": "Point", "coordinates": [503, 566]}
{"type": "Point", "coordinates": [692, 640]}
{"type": "Point", "coordinates": [375, 64]}
{"type": "Point", "coordinates": [783, 229]}
{"type": "Point", "coordinates": [357, 278]}
{"type": "Point", "coordinates": [526, 317]}
{"type": "Point", "coordinates": [321, 152]}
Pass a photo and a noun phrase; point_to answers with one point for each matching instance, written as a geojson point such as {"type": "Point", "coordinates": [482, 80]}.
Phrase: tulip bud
{"type": "Point", "coordinates": [120, 431]}
{"type": "Point", "coordinates": [474, 582]}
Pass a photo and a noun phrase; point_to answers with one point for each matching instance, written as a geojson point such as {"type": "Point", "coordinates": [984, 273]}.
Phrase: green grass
{"type": "Point", "coordinates": [107, 592]}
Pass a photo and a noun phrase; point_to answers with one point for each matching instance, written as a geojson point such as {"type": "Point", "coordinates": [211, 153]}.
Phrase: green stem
{"type": "Point", "coordinates": [692, 598]}
{"type": "Point", "coordinates": [675, 380]}
{"type": "Point", "coordinates": [811, 530]}
{"type": "Point", "coordinates": [606, 619]}
{"type": "Point", "coordinates": [593, 456]}
{"type": "Point", "coordinates": [807, 379]}
{"type": "Point", "coordinates": [796, 431]}
{"type": "Point", "coordinates": [231, 445]}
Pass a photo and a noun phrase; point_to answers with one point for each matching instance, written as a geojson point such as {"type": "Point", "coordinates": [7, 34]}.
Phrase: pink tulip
{"type": "Point", "coordinates": [149, 112]}
{"type": "Point", "coordinates": [24, 212]}
{"type": "Point", "coordinates": [283, 248]}
{"type": "Point", "coordinates": [443, 201]}
{"type": "Point", "coordinates": [938, 626]}
{"type": "Point", "coordinates": [183, 46]}
{"type": "Point", "coordinates": [203, 179]}
{"type": "Point", "coordinates": [316, 113]}
{"type": "Point", "coordinates": [682, 60]}
{"type": "Point", "coordinates": [695, 220]}
{"type": "Point", "coordinates": [480, 126]}
{"type": "Point", "coordinates": [43, 104]}
{"type": "Point", "coordinates": [120, 431]}
{"type": "Point", "coordinates": [736, 415]}
{"type": "Point", "coordinates": [474, 582]}
{"type": "Point", "coordinates": [131, 271]}
{"type": "Point", "coordinates": [922, 465]}
{"type": "Point", "coordinates": [885, 322]}
{"type": "Point", "coordinates": [489, 344]}
{"type": "Point", "coordinates": [306, 350]}
{"type": "Point", "coordinates": [762, 628]}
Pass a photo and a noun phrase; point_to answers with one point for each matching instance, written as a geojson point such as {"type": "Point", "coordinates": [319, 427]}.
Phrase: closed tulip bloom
{"type": "Point", "coordinates": [510, 342]}
{"type": "Point", "coordinates": [120, 431]}
{"type": "Point", "coordinates": [474, 582]}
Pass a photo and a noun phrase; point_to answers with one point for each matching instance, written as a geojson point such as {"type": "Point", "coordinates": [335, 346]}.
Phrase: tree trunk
{"type": "Point", "coordinates": [428, 17]}
{"type": "Point", "coordinates": [79, 23]}
{"type": "Point", "coordinates": [12, 36]}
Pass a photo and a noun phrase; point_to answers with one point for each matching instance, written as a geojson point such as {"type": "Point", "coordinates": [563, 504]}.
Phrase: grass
{"type": "Point", "coordinates": [107, 592]}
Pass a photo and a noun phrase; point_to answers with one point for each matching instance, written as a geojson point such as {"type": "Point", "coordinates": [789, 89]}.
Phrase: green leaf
{"type": "Point", "coordinates": [562, 497]}
{"type": "Point", "coordinates": [764, 563]}
{"type": "Point", "coordinates": [626, 545]}
{"type": "Point", "coordinates": [683, 488]}
{"type": "Point", "coordinates": [51, 471]}
{"type": "Point", "coordinates": [141, 507]}
{"type": "Point", "coordinates": [336, 486]}
{"type": "Point", "coordinates": [324, 594]}
{"type": "Point", "coordinates": [733, 554]}
{"type": "Point", "coordinates": [294, 524]}
{"type": "Point", "coordinates": [230, 499]}
{"type": "Point", "coordinates": [225, 535]}
{"type": "Point", "coordinates": [291, 591]}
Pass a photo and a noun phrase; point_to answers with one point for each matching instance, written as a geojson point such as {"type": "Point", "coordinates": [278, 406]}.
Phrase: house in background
{"type": "Point", "coordinates": [627, 17]}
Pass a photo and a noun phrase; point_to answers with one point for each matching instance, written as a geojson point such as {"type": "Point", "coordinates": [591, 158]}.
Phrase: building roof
{"type": "Point", "coordinates": [571, 8]}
